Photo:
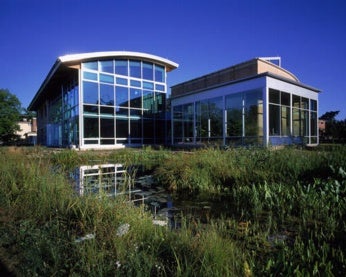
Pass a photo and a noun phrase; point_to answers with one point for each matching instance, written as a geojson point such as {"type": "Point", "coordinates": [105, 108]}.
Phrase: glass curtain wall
{"type": "Point", "coordinates": [236, 119]}
{"type": "Point", "coordinates": [121, 101]}
{"type": "Point", "coordinates": [303, 126]}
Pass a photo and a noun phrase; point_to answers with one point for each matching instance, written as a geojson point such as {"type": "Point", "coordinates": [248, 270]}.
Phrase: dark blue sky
{"type": "Point", "coordinates": [201, 35]}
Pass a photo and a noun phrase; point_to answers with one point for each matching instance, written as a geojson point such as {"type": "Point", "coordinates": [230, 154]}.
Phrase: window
{"type": "Point", "coordinates": [91, 127]}
{"type": "Point", "coordinates": [106, 94]}
{"type": "Point", "coordinates": [121, 67]}
{"type": "Point", "coordinates": [106, 78]}
{"type": "Point", "coordinates": [90, 92]}
{"type": "Point", "coordinates": [135, 69]}
{"type": "Point", "coordinates": [159, 74]}
{"type": "Point", "coordinates": [148, 71]}
{"type": "Point", "coordinates": [90, 65]}
{"type": "Point", "coordinates": [107, 66]}
{"type": "Point", "coordinates": [121, 96]}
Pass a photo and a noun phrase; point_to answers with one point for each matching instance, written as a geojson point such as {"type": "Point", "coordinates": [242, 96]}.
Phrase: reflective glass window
{"type": "Point", "coordinates": [106, 94]}
{"type": "Point", "coordinates": [121, 96]}
{"type": "Point", "coordinates": [91, 65]}
{"type": "Point", "coordinates": [107, 110]}
{"type": "Point", "coordinates": [135, 83]}
{"type": "Point", "coordinates": [91, 109]}
{"type": "Point", "coordinates": [313, 105]}
{"type": "Point", "coordinates": [234, 107]}
{"type": "Point", "coordinates": [122, 128]}
{"type": "Point", "coordinates": [106, 78]}
{"type": "Point", "coordinates": [91, 127]}
{"type": "Point", "coordinates": [253, 112]}
{"type": "Point", "coordinates": [274, 120]}
{"type": "Point", "coordinates": [295, 101]}
{"type": "Point", "coordinates": [160, 87]}
{"type": "Point", "coordinates": [107, 127]}
{"type": "Point", "coordinates": [89, 75]}
{"type": "Point", "coordinates": [148, 100]}
{"type": "Point", "coordinates": [121, 81]}
{"type": "Point", "coordinates": [148, 71]}
{"type": "Point", "coordinates": [148, 85]}
{"type": "Point", "coordinates": [90, 92]}
{"type": "Point", "coordinates": [285, 120]}
{"type": "Point", "coordinates": [121, 67]}
{"type": "Point", "coordinates": [313, 123]}
{"type": "Point", "coordinates": [135, 98]}
{"type": "Point", "coordinates": [274, 96]}
{"type": "Point", "coordinates": [305, 103]}
{"type": "Point", "coordinates": [107, 66]}
{"type": "Point", "coordinates": [135, 69]}
{"type": "Point", "coordinates": [159, 73]}
{"type": "Point", "coordinates": [285, 99]}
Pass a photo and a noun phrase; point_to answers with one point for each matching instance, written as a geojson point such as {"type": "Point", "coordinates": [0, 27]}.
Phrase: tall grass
{"type": "Point", "coordinates": [47, 230]}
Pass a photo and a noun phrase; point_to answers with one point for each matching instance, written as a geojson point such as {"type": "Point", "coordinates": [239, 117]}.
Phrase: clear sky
{"type": "Point", "coordinates": [202, 36]}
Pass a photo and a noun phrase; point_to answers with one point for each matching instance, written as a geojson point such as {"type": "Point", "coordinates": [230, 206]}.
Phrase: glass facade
{"type": "Point", "coordinates": [238, 119]}
{"type": "Point", "coordinates": [233, 119]}
{"type": "Point", "coordinates": [123, 102]}
{"type": "Point", "coordinates": [292, 118]}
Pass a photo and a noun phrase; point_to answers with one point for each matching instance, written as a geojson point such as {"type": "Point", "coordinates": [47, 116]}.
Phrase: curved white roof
{"type": "Point", "coordinates": [169, 65]}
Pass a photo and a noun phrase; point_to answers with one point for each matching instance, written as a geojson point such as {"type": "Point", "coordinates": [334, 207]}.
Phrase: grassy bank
{"type": "Point", "coordinates": [284, 214]}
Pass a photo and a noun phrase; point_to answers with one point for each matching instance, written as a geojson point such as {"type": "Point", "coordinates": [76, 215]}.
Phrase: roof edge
{"type": "Point", "coordinates": [129, 54]}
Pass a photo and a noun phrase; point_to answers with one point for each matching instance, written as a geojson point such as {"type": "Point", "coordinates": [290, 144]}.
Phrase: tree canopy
{"type": "Point", "coordinates": [10, 111]}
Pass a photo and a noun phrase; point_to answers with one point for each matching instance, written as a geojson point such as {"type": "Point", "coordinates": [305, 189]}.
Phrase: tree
{"type": "Point", "coordinates": [10, 110]}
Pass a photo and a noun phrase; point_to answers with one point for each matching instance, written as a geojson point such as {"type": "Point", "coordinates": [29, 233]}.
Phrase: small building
{"type": "Point", "coordinates": [103, 100]}
{"type": "Point", "coordinates": [256, 102]}
{"type": "Point", "coordinates": [28, 130]}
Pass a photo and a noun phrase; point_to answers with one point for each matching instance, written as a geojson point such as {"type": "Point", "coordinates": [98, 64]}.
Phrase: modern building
{"type": "Point", "coordinates": [252, 103]}
{"type": "Point", "coordinates": [103, 100]}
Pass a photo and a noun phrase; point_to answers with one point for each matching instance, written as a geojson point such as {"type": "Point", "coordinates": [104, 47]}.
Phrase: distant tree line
{"type": "Point", "coordinates": [335, 130]}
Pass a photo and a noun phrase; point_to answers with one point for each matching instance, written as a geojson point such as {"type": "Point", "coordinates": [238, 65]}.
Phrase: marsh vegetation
{"type": "Point", "coordinates": [263, 212]}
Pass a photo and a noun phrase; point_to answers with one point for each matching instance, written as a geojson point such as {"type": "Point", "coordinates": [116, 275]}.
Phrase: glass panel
{"type": "Point", "coordinates": [89, 75]}
{"type": "Point", "coordinates": [159, 73]}
{"type": "Point", "coordinates": [313, 123]}
{"type": "Point", "coordinates": [274, 96]}
{"type": "Point", "coordinates": [135, 98]}
{"type": "Point", "coordinates": [305, 103]}
{"type": "Point", "coordinates": [234, 107]}
{"type": "Point", "coordinates": [285, 99]}
{"type": "Point", "coordinates": [135, 83]}
{"type": "Point", "coordinates": [106, 95]}
{"type": "Point", "coordinates": [160, 87]}
{"type": "Point", "coordinates": [90, 92]}
{"type": "Point", "coordinates": [178, 123]}
{"type": "Point", "coordinates": [107, 141]}
{"type": "Point", "coordinates": [253, 113]}
{"type": "Point", "coordinates": [135, 125]}
{"type": "Point", "coordinates": [296, 122]}
{"type": "Point", "coordinates": [122, 129]}
{"type": "Point", "coordinates": [121, 81]}
{"type": "Point", "coordinates": [107, 127]}
{"type": "Point", "coordinates": [295, 101]}
{"type": "Point", "coordinates": [107, 110]}
{"type": "Point", "coordinates": [121, 96]}
{"type": "Point", "coordinates": [285, 121]}
{"type": "Point", "coordinates": [107, 78]}
{"type": "Point", "coordinates": [135, 69]}
{"type": "Point", "coordinates": [121, 67]}
{"type": "Point", "coordinates": [148, 71]}
{"type": "Point", "coordinates": [91, 65]}
{"type": "Point", "coordinates": [313, 105]}
{"type": "Point", "coordinates": [148, 85]}
{"type": "Point", "coordinates": [91, 127]}
{"type": "Point", "coordinates": [148, 101]}
{"type": "Point", "coordinates": [188, 123]}
{"type": "Point", "coordinates": [90, 109]}
{"type": "Point", "coordinates": [107, 66]}
{"type": "Point", "coordinates": [274, 120]}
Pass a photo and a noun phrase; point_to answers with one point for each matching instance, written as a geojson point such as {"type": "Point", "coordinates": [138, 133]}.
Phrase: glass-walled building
{"type": "Point", "coordinates": [253, 103]}
{"type": "Point", "coordinates": [103, 100]}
